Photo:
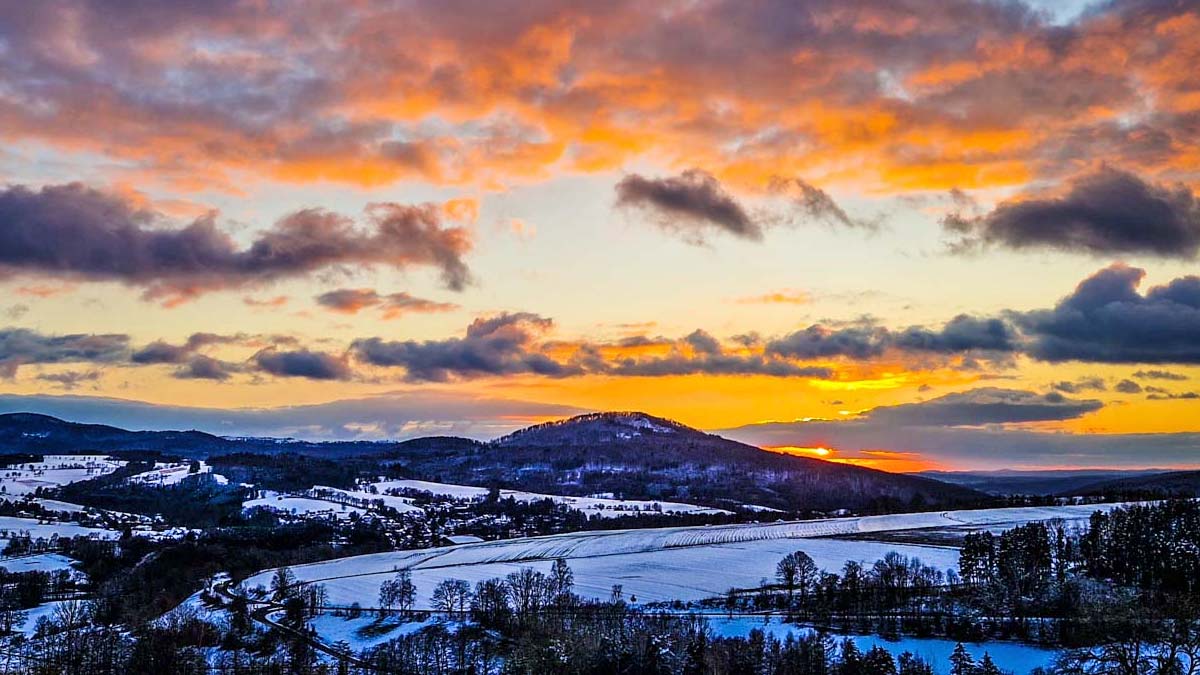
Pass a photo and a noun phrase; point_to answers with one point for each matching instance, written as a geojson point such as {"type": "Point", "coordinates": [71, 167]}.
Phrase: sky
{"type": "Point", "coordinates": [930, 234]}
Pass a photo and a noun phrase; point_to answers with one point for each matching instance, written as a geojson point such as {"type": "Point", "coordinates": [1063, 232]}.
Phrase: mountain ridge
{"type": "Point", "coordinates": [642, 456]}
{"type": "Point", "coordinates": [633, 454]}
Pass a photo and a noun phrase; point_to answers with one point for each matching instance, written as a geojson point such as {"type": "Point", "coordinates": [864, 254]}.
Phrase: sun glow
{"type": "Point", "coordinates": [797, 450]}
{"type": "Point", "coordinates": [884, 460]}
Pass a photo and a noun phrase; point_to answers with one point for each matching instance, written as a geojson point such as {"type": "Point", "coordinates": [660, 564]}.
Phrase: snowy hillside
{"type": "Point", "coordinates": [679, 563]}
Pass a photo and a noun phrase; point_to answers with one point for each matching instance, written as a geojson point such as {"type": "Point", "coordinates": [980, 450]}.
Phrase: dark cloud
{"type": "Point", "coordinates": [161, 351]}
{"type": "Point", "coordinates": [962, 333]}
{"type": "Point", "coordinates": [70, 379]}
{"type": "Point", "coordinates": [703, 342]}
{"type": "Point", "coordinates": [201, 367]}
{"type": "Point", "coordinates": [510, 344]}
{"type": "Point", "coordinates": [1106, 320]}
{"type": "Point", "coordinates": [302, 363]}
{"type": "Point", "coordinates": [818, 341]}
{"type": "Point", "coordinates": [1128, 387]}
{"type": "Point", "coordinates": [722, 364]}
{"type": "Point", "coordinates": [75, 232]}
{"type": "Point", "coordinates": [698, 353]}
{"type": "Point", "coordinates": [1080, 385]}
{"type": "Point", "coordinates": [20, 346]}
{"type": "Point", "coordinates": [1102, 213]}
{"type": "Point", "coordinates": [644, 341]}
{"type": "Point", "coordinates": [1160, 375]}
{"type": "Point", "coordinates": [815, 204]}
{"type": "Point", "coordinates": [988, 405]}
{"type": "Point", "coordinates": [703, 355]}
{"type": "Point", "coordinates": [691, 203]}
{"type": "Point", "coordinates": [499, 345]}
{"type": "Point", "coordinates": [1173, 396]}
{"type": "Point", "coordinates": [393, 305]}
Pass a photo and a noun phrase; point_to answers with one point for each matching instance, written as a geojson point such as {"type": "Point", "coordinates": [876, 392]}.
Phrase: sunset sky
{"type": "Point", "coordinates": [911, 235]}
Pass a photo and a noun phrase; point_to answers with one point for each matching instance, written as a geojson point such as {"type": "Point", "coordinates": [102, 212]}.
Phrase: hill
{"type": "Point", "coordinates": [626, 454]}
{"type": "Point", "coordinates": [1040, 483]}
{"type": "Point", "coordinates": [30, 433]}
{"type": "Point", "coordinates": [1173, 483]}
{"type": "Point", "coordinates": [34, 434]}
{"type": "Point", "coordinates": [639, 456]}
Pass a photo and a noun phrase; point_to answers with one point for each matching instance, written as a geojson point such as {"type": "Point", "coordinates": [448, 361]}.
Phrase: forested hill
{"type": "Point", "coordinates": [33, 434]}
{"type": "Point", "coordinates": [1170, 484]}
{"type": "Point", "coordinates": [41, 434]}
{"type": "Point", "coordinates": [635, 455]}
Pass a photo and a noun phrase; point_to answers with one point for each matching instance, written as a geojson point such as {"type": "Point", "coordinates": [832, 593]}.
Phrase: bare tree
{"type": "Point", "coordinates": [399, 593]}
{"type": "Point", "coordinates": [451, 596]}
{"type": "Point", "coordinates": [282, 582]}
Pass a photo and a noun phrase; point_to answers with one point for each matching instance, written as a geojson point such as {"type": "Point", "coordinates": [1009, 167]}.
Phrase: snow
{"type": "Point", "coordinates": [55, 505]}
{"type": "Point", "coordinates": [173, 473]}
{"type": "Point", "coordinates": [658, 564]}
{"type": "Point", "coordinates": [53, 471]}
{"type": "Point", "coordinates": [195, 607]}
{"type": "Point", "coordinates": [305, 506]}
{"type": "Point", "coordinates": [597, 506]}
{"type": "Point", "coordinates": [11, 526]}
{"type": "Point", "coordinates": [43, 562]}
{"type": "Point", "coordinates": [333, 629]}
{"type": "Point", "coordinates": [32, 615]}
{"type": "Point", "coordinates": [1009, 656]}
{"type": "Point", "coordinates": [401, 504]}
{"type": "Point", "coordinates": [760, 509]}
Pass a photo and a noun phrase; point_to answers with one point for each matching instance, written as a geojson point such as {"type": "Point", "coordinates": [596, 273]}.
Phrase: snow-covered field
{"type": "Point", "coordinates": [364, 632]}
{"type": "Point", "coordinates": [302, 506]}
{"type": "Point", "coordinates": [43, 562]}
{"type": "Point", "coordinates": [597, 506]}
{"type": "Point", "coordinates": [55, 505]}
{"type": "Point", "coordinates": [11, 526]}
{"type": "Point", "coordinates": [173, 473]}
{"type": "Point", "coordinates": [401, 504]}
{"type": "Point", "coordinates": [47, 610]}
{"type": "Point", "coordinates": [676, 563]}
{"type": "Point", "coordinates": [53, 471]}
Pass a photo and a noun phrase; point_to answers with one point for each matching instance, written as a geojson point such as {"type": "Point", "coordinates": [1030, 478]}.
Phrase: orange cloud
{"type": "Point", "coordinates": [44, 290]}
{"type": "Point", "coordinates": [785, 297]}
{"type": "Point", "coordinates": [921, 96]}
{"type": "Point", "coordinates": [267, 303]}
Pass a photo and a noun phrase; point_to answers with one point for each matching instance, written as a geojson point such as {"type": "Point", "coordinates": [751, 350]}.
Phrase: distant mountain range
{"type": "Point", "coordinates": [629, 454]}
{"type": "Point", "coordinates": [1054, 482]}
{"type": "Point", "coordinates": [1178, 483]}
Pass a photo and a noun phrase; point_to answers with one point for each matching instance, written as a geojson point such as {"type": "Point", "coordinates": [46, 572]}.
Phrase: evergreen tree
{"type": "Point", "coordinates": [878, 661]}
{"type": "Point", "coordinates": [987, 666]}
{"type": "Point", "coordinates": [913, 665]}
{"type": "Point", "coordinates": [961, 662]}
